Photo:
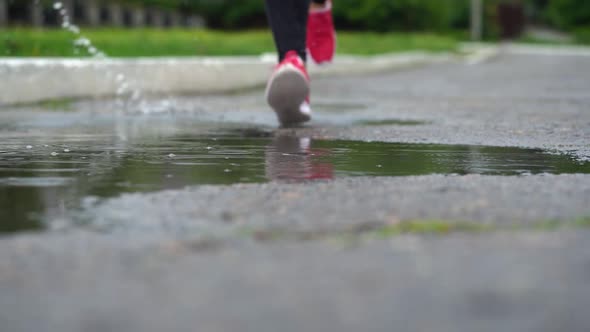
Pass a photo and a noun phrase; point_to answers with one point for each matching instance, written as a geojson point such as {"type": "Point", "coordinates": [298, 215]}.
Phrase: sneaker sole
{"type": "Point", "coordinates": [286, 91]}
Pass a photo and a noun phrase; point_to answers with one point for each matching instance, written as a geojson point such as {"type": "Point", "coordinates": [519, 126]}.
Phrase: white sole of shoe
{"type": "Point", "coordinates": [287, 89]}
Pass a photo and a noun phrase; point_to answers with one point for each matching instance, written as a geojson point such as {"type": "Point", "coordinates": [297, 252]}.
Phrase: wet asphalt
{"type": "Point", "coordinates": [315, 255]}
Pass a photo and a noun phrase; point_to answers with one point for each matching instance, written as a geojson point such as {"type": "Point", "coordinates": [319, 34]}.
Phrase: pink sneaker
{"type": "Point", "coordinates": [321, 35]}
{"type": "Point", "coordinates": [287, 91]}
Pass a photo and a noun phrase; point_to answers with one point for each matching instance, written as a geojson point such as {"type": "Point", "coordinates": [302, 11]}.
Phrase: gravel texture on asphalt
{"type": "Point", "coordinates": [533, 281]}
{"type": "Point", "coordinates": [186, 260]}
{"type": "Point", "coordinates": [345, 204]}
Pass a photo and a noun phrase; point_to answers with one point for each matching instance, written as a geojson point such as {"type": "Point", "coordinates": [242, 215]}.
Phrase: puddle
{"type": "Point", "coordinates": [46, 179]}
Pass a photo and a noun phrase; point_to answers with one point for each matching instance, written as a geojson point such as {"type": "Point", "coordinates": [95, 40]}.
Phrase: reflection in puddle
{"type": "Point", "coordinates": [293, 158]}
{"type": "Point", "coordinates": [37, 184]}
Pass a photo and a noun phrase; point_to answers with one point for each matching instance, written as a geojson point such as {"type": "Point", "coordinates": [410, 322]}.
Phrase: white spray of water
{"type": "Point", "coordinates": [82, 41]}
{"type": "Point", "coordinates": [123, 85]}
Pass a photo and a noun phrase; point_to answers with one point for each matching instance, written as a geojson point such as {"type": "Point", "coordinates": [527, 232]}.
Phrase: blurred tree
{"type": "Point", "coordinates": [569, 14]}
{"type": "Point", "coordinates": [386, 15]}
{"type": "Point", "coordinates": [230, 14]}
{"type": "Point", "coordinates": [375, 15]}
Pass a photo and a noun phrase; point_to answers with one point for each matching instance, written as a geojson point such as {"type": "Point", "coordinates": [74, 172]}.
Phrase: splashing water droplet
{"type": "Point", "coordinates": [54, 154]}
{"type": "Point", "coordinates": [82, 41]}
{"type": "Point", "coordinates": [29, 147]}
{"type": "Point", "coordinates": [136, 95]}
{"type": "Point", "coordinates": [82, 44]}
{"type": "Point", "coordinates": [66, 150]}
{"type": "Point", "coordinates": [172, 155]}
{"type": "Point", "coordinates": [74, 29]}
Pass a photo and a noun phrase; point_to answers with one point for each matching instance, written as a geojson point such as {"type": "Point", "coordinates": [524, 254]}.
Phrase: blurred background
{"type": "Point", "coordinates": [225, 27]}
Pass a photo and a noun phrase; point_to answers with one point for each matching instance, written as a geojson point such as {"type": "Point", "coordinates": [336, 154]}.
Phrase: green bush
{"type": "Point", "coordinates": [231, 14]}
{"type": "Point", "coordinates": [375, 15]}
{"type": "Point", "coordinates": [569, 14]}
{"type": "Point", "coordinates": [582, 35]}
{"type": "Point", "coordinates": [385, 15]}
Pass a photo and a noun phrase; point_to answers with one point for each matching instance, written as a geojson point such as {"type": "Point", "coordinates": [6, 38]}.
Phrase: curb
{"type": "Point", "coordinates": [34, 80]}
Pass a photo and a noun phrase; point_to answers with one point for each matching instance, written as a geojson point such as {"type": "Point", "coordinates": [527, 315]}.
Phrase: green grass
{"type": "Point", "coordinates": [27, 42]}
{"type": "Point", "coordinates": [582, 35]}
{"type": "Point", "coordinates": [63, 104]}
{"type": "Point", "coordinates": [412, 227]}
{"type": "Point", "coordinates": [446, 227]}
{"type": "Point", "coordinates": [537, 41]}
{"type": "Point", "coordinates": [431, 227]}
{"type": "Point", "coordinates": [373, 43]}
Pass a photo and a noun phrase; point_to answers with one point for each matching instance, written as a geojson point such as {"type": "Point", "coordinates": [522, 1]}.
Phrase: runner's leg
{"type": "Point", "coordinates": [288, 21]}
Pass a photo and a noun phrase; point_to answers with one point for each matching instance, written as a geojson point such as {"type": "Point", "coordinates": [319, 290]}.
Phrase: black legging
{"type": "Point", "coordinates": [288, 21]}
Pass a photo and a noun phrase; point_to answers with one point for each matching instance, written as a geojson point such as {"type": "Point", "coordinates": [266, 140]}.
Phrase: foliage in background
{"type": "Point", "coordinates": [446, 16]}
{"type": "Point", "coordinates": [385, 15]}
{"type": "Point", "coordinates": [398, 15]}
{"type": "Point", "coordinates": [569, 14]}
{"type": "Point", "coordinates": [381, 15]}
{"type": "Point", "coordinates": [231, 14]}
{"type": "Point", "coordinates": [582, 35]}
{"type": "Point", "coordinates": [404, 15]}
{"type": "Point", "coordinates": [374, 15]}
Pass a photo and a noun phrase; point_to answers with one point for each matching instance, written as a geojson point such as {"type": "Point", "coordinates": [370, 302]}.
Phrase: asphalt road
{"type": "Point", "coordinates": [314, 256]}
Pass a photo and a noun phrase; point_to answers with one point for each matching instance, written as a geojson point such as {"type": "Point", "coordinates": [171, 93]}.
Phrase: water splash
{"type": "Point", "coordinates": [129, 96]}
{"type": "Point", "coordinates": [81, 41]}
